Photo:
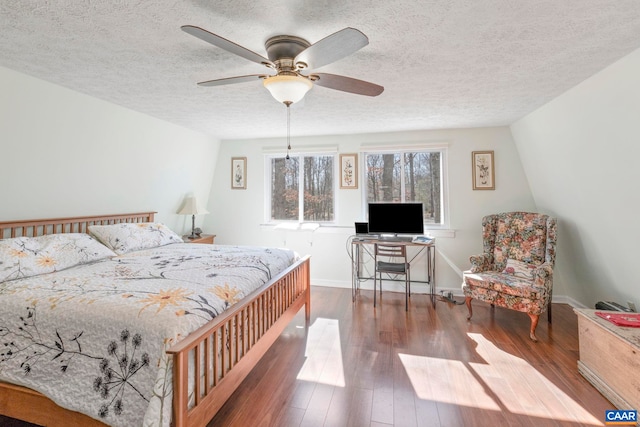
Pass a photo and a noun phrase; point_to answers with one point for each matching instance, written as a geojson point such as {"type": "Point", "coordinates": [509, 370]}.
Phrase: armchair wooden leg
{"type": "Point", "coordinates": [534, 323]}
{"type": "Point", "coordinates": [467, 301]}
{"type": "Point", "coordinates": [549, 312]}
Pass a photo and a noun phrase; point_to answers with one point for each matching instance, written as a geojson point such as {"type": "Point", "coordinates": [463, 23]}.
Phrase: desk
{"type": "Point", "coordinates": [362, 249]}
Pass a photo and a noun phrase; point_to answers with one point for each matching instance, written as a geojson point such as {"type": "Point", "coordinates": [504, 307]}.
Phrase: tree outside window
{"type": "Point", "coordinates": [284, 188]}
{"type": "Point", "coordinates": [407, 177]}
{"type": "Point", "coordinates": [302, 188]}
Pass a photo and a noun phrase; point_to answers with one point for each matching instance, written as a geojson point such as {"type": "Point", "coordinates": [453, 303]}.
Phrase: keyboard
{"type": "Point", "coordinates": [396, 238]}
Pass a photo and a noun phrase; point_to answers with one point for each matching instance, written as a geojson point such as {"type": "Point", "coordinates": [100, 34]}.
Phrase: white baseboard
{"type": "Point", "coordinates": [416, 288]}
{"type": "Point", "coordinates": [563, 299]}
{"type": "Point", "coordinates": [330, 283]}
{"type": "Point", "coordinates": [424, 289]}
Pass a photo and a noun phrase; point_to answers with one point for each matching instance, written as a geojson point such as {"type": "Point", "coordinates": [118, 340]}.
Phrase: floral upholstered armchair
{"type": "Point", "coordinates": [515, 269]}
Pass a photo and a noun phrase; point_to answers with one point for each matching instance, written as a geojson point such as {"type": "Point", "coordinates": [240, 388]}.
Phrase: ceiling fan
{"type": "Point", "coordinates": [291, 58]}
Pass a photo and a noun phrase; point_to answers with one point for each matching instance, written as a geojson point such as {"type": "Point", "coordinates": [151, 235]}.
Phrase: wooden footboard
{"type": "Point", "coordinates": [214, 359]}
{"type": "Point", "coordinates": [219, 355]}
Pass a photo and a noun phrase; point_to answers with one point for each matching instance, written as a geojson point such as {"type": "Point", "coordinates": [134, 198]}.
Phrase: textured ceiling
{"type": "Point", "coordinates": [444, 64]}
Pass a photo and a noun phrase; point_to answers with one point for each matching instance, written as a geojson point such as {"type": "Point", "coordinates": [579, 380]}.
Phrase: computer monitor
{"type": "Point", "coordinates": [396, 218]}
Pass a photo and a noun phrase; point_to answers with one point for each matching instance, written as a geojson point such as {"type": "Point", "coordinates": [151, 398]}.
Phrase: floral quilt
{"type": "Point", "coordinates": [93, 337]}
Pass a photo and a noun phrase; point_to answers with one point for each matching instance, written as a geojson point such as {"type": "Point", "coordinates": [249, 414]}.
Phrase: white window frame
{"type": "Point", "coordinates": [300, 154]}
{"type": "Point", "coordinates": [408, 148]}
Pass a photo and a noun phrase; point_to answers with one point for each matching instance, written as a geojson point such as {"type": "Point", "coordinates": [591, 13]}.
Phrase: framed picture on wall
{"type": "Point", "coordinates": [483, 170]}
{"type": "Point", "coordinates": [238, 173]}
{"type": "Point", "coordinates": [348, 171]}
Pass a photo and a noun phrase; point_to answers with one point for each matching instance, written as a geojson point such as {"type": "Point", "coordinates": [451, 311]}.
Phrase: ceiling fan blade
{"type": "Point", "coordinates": [346, 84]}
{"type": "Point", "coordinates": [333, 47]}
{"type": "Point", "coordinates": [225, 44]}
{"type": "Point", "coordinates": [232, 80]}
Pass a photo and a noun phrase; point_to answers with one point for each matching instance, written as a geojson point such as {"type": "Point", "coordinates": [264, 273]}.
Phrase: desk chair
{"type": "Point", "coordinates": [392, 259]}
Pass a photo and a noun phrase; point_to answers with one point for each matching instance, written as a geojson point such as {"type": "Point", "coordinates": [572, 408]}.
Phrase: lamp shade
{"type": "Point", "coordinates": [287, 88]}
{"type": "Point", "coordinates": [191, 207]}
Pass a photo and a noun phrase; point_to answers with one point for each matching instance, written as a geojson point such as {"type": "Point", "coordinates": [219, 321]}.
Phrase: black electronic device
{"type": "Point", "coordinates": [396, 218]}
{"type": "Point", "coordinates": [612, 306]}
{"type": "Point", "coordinates": [362, 228]}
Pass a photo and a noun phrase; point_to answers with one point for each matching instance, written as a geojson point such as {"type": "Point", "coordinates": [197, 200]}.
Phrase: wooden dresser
{"type": "Point", "coordinates": [610, 358]}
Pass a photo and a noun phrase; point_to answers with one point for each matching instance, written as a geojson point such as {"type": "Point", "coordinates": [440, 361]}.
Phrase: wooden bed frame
{"type": "Point", "coordinates": [227, 348]}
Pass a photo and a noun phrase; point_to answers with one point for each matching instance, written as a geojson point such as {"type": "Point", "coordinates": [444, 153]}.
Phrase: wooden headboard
{"type": "Point", "coordinates": [80, 224]}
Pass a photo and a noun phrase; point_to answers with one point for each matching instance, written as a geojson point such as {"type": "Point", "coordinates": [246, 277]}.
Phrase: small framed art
{"type": "Point", "coordinates": [238, 173]}
{"type": "Point", "coordinates": [348, 171]}
{"type": "Point", "coordinates": [483, 170]}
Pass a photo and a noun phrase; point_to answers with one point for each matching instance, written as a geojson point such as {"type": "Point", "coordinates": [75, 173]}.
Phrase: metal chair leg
{"type": "Point", "coordinates": [406, 293]}
{"type": "Point", "coordinates": [375, 279]}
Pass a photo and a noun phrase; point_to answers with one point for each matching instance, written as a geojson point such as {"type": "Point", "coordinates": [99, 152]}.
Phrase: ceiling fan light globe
{"type": "Point", "coordinates": [287, 88]}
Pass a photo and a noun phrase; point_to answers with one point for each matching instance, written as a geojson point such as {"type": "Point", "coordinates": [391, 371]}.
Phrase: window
{"type": "Point", "coordinates": [302, 188]}
{"type": "Point", "coordinates": [408, 176]}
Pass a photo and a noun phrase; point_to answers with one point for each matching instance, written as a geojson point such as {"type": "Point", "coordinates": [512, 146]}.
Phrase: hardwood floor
{"type": "Point", "coordinates": [360, 366]}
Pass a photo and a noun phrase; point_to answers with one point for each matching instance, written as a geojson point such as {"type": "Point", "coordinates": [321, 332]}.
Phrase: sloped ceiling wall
{"type": "Point", "coordinates": [68, 154]}
{"type": "Point", "coordinates": [581, 155]}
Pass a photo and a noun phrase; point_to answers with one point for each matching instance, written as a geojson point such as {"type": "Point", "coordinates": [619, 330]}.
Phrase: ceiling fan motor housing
{"type": "Point", "coordinates": [281, 50]}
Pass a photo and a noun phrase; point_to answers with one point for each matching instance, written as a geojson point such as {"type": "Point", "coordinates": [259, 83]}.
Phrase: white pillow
{"type": "Point", "coordinates": [127, 237]}
{"type": "Point", "coordinates": [30, 256]}
{"type": "Point", "coordinates": [519, 269]}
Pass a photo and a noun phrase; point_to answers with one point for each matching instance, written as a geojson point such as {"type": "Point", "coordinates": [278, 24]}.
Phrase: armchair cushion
{"type": "Point", "coordinates": [523, 270]}
{"type": "Point", "coordinates": [505, 284]}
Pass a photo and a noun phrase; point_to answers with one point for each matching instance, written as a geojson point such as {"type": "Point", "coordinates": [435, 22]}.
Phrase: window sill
{"type": "Point", "coordinates": [441, 232]}
{"type": "Point", "coordinates": [315, 227]}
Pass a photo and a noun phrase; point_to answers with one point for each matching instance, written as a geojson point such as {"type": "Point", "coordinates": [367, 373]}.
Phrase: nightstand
{"type": "Point", "coordinates": [203, 238]}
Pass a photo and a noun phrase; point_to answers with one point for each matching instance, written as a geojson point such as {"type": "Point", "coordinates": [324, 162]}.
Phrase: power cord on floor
{"type": "Point", "coordinates": [448, 297]}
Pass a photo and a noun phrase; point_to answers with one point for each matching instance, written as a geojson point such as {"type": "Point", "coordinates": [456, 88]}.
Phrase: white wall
{"type": "Point", "coordinates": [64, 154]}
{"type": "Point", "coordinates": [580, 153]}
{"type": "Point", "coordinates": [236, 215]}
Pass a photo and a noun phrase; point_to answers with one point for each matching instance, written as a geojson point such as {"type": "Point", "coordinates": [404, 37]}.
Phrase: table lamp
{"type": "Point", "coordinates": [191, 207]}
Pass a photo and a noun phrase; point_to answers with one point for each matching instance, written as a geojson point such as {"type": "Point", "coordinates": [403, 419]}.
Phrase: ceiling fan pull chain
{"type": "Point", "coordinates": [288, 104]}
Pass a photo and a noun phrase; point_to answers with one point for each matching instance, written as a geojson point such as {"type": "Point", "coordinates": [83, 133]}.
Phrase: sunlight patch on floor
{"type": "Point", "coordinates": [536, 395]}
{"type": "Point", "coordinates": [447, 381]}
{"type": "Point", "coordinates": [323, 354]}
{"type": "Point", "coordinates": [503, 382]}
